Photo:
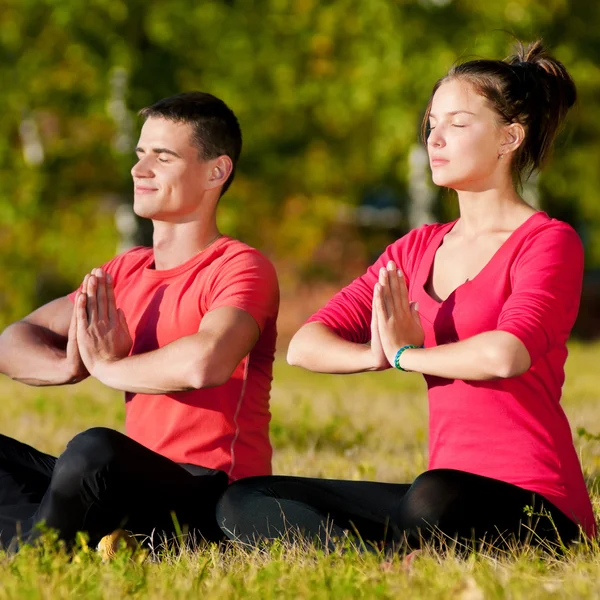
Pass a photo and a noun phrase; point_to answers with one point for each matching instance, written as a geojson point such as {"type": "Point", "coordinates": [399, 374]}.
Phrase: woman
{"type": "Point", "coordinates": [482, 307]}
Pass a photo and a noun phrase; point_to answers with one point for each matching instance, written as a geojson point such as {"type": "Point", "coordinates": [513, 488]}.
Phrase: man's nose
{"type": "Point", "coordinates": [141, 169]}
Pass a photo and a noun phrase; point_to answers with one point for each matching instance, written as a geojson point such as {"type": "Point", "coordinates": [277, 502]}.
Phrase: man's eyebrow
{"type": "Point", "coordinates": [454, 112]}
{"type": "Point", "coordinates": [159, 151]}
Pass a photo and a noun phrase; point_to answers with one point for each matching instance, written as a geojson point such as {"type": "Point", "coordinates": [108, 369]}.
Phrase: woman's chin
{"type": "Point", "coordinates": [444, 180]}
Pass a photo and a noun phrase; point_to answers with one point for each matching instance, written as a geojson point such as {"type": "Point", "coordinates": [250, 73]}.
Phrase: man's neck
{"type": "Point", "coordinates": [175, 243]}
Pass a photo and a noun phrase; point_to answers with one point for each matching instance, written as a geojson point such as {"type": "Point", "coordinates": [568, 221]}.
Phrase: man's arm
{"type": "Point", "coordinates": [202, 360]}
{"type": "Point", "coordinates": [41, 349]}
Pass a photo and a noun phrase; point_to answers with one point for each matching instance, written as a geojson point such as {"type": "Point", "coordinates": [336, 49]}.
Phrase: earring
{"type": "Point", "coordinates": [500, 156]}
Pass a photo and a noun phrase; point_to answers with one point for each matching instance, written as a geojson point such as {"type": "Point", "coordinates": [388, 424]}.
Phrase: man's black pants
{"type": "Point", "coordinates": [104, 481]}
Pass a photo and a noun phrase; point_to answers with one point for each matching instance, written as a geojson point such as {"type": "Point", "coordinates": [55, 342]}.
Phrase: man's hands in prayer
{"type": "Point", "coordinates": [398, 321]}
{"type": "Point", "coordinates": [76, 370]}
{"type": "Point", "coordinates": [102, 332]}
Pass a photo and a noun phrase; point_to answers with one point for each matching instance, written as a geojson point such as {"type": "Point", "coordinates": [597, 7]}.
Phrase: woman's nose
{"type": "Point", "coordinates": [435, 138]}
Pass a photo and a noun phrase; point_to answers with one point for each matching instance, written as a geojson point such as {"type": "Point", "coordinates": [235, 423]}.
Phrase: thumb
{"type": "Point", "coordinates": [414, 311]}
{"type": "Point", "coordinates": [122, 319]}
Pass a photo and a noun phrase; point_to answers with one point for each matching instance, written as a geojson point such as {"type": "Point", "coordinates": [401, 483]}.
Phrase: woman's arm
{"type": "Point", "coordinates": [317, 348]}
{"type": "Point", "coordinates": [537, 316]}
{"type": "Point", "coordinates": [488, 355]}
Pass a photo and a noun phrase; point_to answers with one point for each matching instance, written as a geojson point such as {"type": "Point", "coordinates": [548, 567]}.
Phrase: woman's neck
{"type": "Point", "coordinates": [491, 210]}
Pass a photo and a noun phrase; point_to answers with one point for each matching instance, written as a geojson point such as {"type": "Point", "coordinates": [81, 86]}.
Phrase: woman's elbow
{"type": "Point", "coordinates": [299, 354]}
{"type": "Point", "coordinates": [507, 362]}
{"type": "Point", "coordinates": [294, 354]}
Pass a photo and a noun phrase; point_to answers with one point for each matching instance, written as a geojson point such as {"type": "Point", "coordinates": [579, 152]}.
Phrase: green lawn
{"type": "Point", "coordinates": [371, 426]}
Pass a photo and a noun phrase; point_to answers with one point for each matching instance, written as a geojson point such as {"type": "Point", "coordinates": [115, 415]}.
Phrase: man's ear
{"type": "Point", "coordinates": [514, 135]}
{"type": "Point", "coordinates": [220, 171]}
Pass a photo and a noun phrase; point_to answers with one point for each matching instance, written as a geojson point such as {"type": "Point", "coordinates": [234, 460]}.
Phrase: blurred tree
{"type": "Point", "coordinates": [329, 95]}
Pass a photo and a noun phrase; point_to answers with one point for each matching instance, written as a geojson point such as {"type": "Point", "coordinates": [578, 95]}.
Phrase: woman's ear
{"type": "Point", "coordinates": [514, 135]}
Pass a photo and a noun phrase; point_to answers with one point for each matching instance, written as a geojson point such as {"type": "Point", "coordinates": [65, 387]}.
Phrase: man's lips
{"type": "Point", "coordinates": [142, 189]}
{"type": "Point", "coordinates": [439, 162]}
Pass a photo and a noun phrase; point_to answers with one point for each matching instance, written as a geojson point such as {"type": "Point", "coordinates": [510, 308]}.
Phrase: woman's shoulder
{"type": "Point", "coordinates": [546, 230]}
{"type": "Point", "coordinates": [420, 237]}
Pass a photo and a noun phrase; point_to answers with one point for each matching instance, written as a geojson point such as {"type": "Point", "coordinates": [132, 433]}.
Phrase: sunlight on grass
{"type": "Point", "coordinates": [370, 426]}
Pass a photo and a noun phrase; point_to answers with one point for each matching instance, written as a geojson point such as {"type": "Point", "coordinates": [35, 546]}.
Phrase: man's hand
{"type": "Point", "coordinates": [74, 367]}
{"type": "Point", "coordinates": [398, 320]}
{"type": "Point", "coordinates": [102, 332]}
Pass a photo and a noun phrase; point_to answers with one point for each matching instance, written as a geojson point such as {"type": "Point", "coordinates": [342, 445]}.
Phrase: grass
{"type": "Point", "coordinates": [371, 426]}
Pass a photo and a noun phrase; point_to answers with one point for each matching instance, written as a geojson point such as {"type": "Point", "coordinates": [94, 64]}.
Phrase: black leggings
{"type": "Point", "coordinates": [103, 481]}
{"type": "Point", "coordinates": [458, 505]}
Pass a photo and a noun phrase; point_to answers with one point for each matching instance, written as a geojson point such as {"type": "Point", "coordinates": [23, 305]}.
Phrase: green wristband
{"type": "Point", "coordinates": [399, 354]}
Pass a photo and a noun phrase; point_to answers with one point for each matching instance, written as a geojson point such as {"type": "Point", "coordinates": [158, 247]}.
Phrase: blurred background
{"type": "Point", "coordinates": [329, 95]}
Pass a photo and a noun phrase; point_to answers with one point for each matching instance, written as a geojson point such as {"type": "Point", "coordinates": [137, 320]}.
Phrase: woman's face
{"type": "Point", "coordinates": [465, 140]}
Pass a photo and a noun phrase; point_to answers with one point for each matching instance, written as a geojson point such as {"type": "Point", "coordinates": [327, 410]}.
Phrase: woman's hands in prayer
{"type": "Point", "coordinates": [398, 321]}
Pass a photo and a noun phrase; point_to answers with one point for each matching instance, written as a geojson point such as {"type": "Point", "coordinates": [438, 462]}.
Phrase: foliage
{"type": "Point", "coordinates": [329, 96]}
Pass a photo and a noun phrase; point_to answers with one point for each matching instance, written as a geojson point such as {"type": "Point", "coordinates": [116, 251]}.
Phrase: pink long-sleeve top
{"type": "Point", "coordinates": [514, 429]}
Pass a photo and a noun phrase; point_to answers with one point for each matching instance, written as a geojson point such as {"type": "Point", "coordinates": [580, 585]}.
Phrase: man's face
{"type": "Point", "coordinates": [169, 178]}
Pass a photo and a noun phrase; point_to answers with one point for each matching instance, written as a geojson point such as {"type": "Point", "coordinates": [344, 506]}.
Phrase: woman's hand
{"type": "Point", "coordinates": [378, 357]}
{"type": "Point", "coordinates": [398, 321]}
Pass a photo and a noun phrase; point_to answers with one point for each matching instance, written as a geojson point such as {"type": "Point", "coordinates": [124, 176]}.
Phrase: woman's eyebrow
{"type": "Point", "coordinates": [454, 112]}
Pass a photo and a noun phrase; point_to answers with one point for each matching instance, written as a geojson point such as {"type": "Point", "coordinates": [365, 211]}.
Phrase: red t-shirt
{"type": "Point", "coordinates": [513, 430]}
{"type": "Point", "coordinates": [225, 427]}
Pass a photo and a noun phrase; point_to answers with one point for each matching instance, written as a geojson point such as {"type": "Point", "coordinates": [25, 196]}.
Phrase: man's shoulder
{"type": "Point", "coordinates": [236, 252]}
{"type": "Point", "coordinates": [129, 261]}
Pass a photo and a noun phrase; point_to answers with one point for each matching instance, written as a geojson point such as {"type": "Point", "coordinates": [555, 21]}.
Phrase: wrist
{"type": "Point", "coordinates": [402, 357]}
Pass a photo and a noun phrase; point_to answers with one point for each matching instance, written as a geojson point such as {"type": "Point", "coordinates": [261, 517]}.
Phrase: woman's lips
{"type": "Point", "coordinates": [439, 162]}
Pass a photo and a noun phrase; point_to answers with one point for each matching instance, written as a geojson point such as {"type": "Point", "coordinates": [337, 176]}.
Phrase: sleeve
{"type": "Point", "coordinates": [546, 290]}
{"type": "Point", "coordinates": [247, 281]}
{"type": "Point", "coordinates": [348, 313]}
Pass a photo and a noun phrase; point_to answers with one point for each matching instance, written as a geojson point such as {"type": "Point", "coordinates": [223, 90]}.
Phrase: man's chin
{"type": "Point", "coordinates": [143, 211]}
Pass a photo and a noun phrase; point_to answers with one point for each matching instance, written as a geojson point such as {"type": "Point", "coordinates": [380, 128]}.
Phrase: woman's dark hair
{"type": "Point", "coordinates": [215, 128]}
{"type": "Point", "coordinates": [531, 88]}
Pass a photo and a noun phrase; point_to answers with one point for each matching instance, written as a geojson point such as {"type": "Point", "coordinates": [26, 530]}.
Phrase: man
{"type": "Point", "coordinates": [186, 329]}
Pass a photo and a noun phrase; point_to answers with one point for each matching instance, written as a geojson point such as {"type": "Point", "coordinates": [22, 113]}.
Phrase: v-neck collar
{"type": "Point", "coordinates": [427, 262]}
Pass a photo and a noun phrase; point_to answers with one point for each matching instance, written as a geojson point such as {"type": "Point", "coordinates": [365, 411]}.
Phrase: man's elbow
{"type": "Point", "coordinates": [205, 375]}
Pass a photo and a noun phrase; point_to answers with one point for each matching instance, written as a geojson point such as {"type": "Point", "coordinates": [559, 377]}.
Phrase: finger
{"type": "Point", "coordinates": [384, 282]}
{"type": "Point", "coordinates": [80, 311]}
{"type": "Point", "coordinates": [101, 295]}
{"type": "Point", "coordinates": [73, 322]}
{"type": "Point", "coordinates": [379, 303]}
{"type": "Point", "coordinates": [111, 306]}
{"type": "Point", "coordinates": [374, 313]}
{"type": "Point", "coordinates": [90, 300]}
{"type": "Point", "coordinates": [414, 310]}
{"type": "Point", "coordinates": [394, 285]}
{"type": "Point", "coordinates": [122, 320]}
{"type": "Point", "coordinates": [402, 289]}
